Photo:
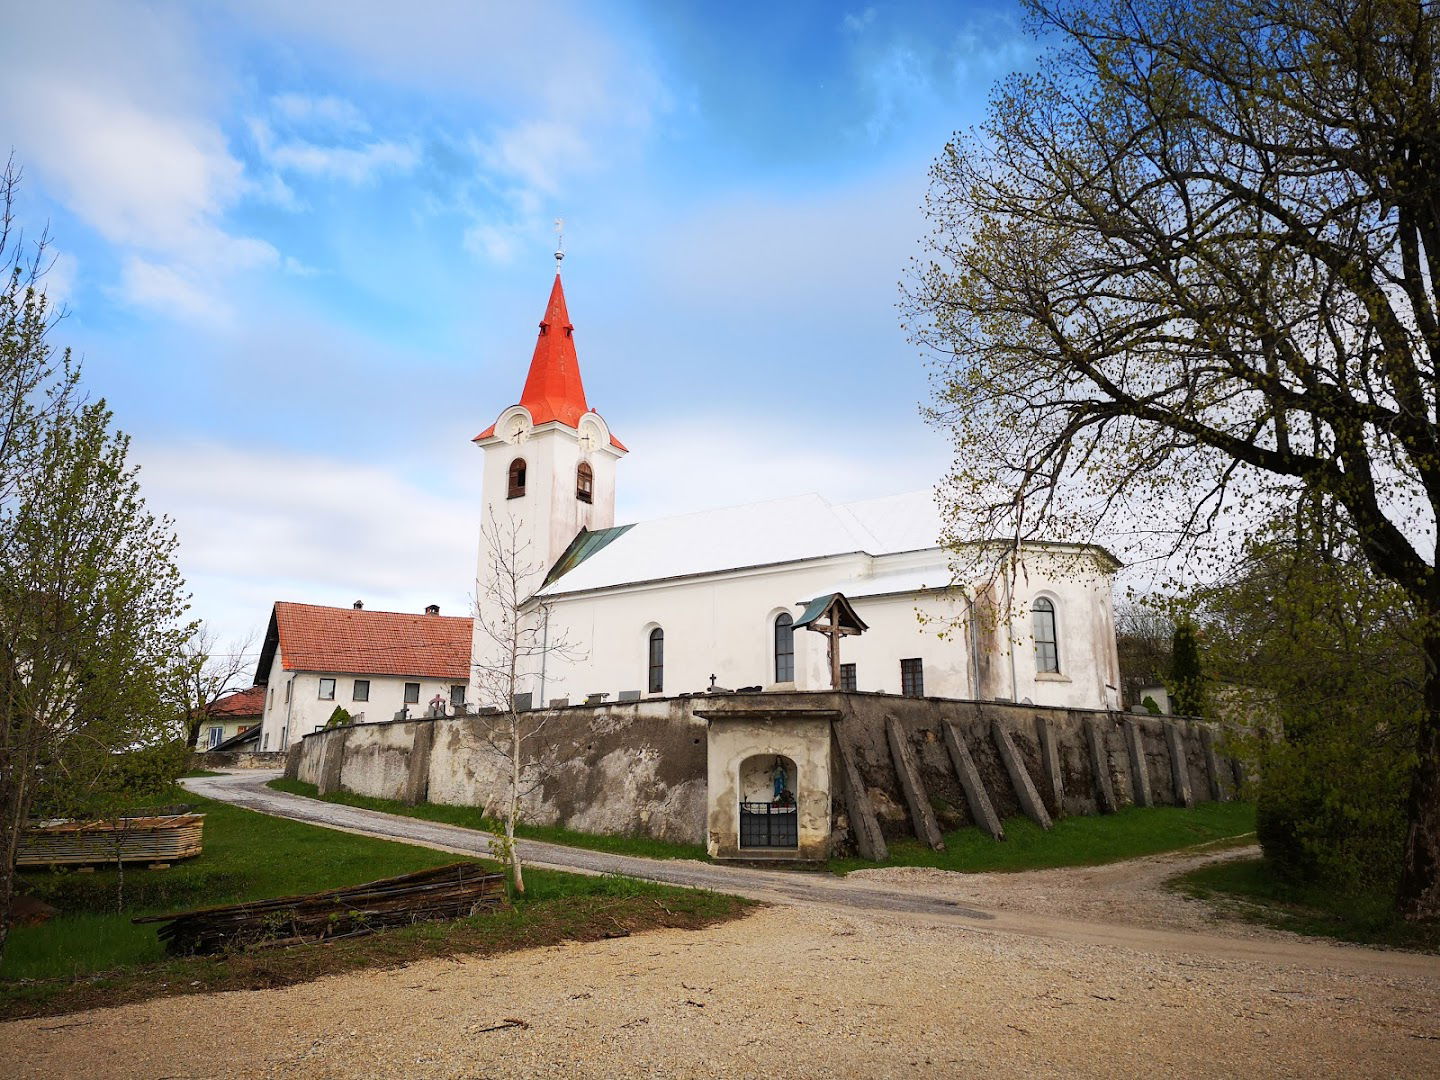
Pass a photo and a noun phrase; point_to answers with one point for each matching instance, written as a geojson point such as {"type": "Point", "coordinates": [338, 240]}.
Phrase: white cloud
{"type": "Point", "coordinates": [327, 112]}
{"type": "Point", "coordinates": [353, 164]}
{"type": "Point", "coordinates": [109, 107]}
{"type": "Point", "coordinates": [168, 290]}
{"type": "Point", "coordinates": [259, 526]}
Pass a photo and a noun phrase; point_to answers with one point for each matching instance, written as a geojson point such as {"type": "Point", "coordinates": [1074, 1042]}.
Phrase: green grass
{"type": "Point", "coordinates": [470, 817]}
{"type": "Point", "coordinates": [202, 772]}
{"type": "Point", "coordinates": [1251, 890]}
{"type": "Point", "coordinates": [1074, 841]}
{"type": "Point", "coordinates": [91, 954]}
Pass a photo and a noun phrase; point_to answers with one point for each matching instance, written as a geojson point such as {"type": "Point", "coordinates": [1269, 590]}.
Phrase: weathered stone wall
{"type": "Point", "coordinates": [236, 759]}
{"type": "Point", "coordinates": [637, 767]}
{"type": "Point", "coordinates": [641, 767]}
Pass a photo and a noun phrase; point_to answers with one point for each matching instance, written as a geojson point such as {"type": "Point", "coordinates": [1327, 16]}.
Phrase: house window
{"type": "Point", "coordinates": [270, 697]}
{"type": "Point", "coordinates": [361, 691]}
{"type": "Point", "coordinates": [1047, 649]}
{"type": "Point", "coordinates": [327, 689]}
{"type": "Point", "coordinates": [657, 661]}
{"type": "Point", "coordinates": [457, 694]}
{"type": "Point", "coordinates": [584, 482]}
{"type": "Point", "coordinates": [412, 693]}
{"type": "Point", "coordinates": [213, 737]}
{"type": "Point", "coordinates": [517, 478]}
{"type": "Point", "coordinates": [287, 691]}
{"type": "Point", "coordinates": [784, 648]}
{"type": "Point", "coordinates": [912, 678]}
{"type": "Point", "coordinates": [847, 676]}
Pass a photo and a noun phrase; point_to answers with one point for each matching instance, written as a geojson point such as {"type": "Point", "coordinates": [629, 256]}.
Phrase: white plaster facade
{"type": "Point", "coordinates": [294, 707]}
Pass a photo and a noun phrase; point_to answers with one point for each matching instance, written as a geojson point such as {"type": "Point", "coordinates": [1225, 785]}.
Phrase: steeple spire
{"type": "Point", "coordinates": [553, 390]}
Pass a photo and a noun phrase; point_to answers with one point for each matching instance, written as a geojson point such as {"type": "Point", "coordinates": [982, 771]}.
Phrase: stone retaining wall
{"type": "Point", "coordinates": [640, 767]}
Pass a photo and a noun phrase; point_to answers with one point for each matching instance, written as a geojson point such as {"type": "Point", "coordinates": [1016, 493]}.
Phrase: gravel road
{"type": "Point", "coordinates": [885, 973]}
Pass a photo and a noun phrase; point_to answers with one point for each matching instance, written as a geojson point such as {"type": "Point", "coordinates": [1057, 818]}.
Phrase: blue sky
{"type": "Point", "coordinates": [304, 247]}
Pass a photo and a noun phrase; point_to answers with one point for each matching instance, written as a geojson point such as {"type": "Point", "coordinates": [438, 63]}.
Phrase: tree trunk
{"type": "Point", "coordinates": [1420, 872]}
{"type": "Point", "coordinates": [517, 873]}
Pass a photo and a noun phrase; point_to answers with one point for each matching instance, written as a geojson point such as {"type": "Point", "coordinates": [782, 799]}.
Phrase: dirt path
{"type": "Point", "coordinates": [1092, 905]}
{"type": "Point", "coordinates": [795, 990]}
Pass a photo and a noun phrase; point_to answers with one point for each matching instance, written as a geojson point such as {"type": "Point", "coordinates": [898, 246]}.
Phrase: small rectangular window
{"type": "Point", "coordinates": [361, 691]}
{"type": "Point", "coordinates": [912, 678]}
{"type": "Point", "coordinates": [215, 734]}
{"type": "Point", "coordinates": [412, 693]}
{"type": "Point", "coordinates": [327, 689]}
{"type": "Point", "coordinates": [847, 676]}
{"type": "Point", "coordinates": [457, 694]}
{"type": "Point", "coordinates": [288, 684]}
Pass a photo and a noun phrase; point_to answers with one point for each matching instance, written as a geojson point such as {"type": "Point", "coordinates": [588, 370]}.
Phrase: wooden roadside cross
{"type": "Point", "coordinates": [832, 616]}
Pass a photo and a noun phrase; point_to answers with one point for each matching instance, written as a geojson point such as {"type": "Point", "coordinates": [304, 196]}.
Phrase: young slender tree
{"type": "Point", "coordinates": [91, 603]}
{"type": "Point", "coordinates": [514, 644]}
{"type": "Point", "coordinates": [1189, 272]}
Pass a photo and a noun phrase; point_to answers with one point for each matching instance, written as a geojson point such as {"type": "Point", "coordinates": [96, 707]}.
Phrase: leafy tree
{"type": "Point", "coordinates": [1328, 658]}
{"type": "Point", "coordinates": [1192, 262]}
{"type": "Point", "coordinates": [90, 600]}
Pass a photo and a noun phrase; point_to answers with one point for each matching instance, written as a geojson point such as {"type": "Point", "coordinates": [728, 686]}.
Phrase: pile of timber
{"type": "Point", "coordinates": [157, 838]}
{"type": "Point", "coordinates": [445, 892]}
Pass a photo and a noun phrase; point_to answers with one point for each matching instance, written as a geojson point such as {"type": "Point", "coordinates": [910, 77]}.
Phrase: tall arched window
{"type": "Point", "coordinates": [584, 482]}
{"type": "Point", "coordinates": [784, 648]}
{"type": "Point", "coordinates": [657, 661]}
{"type": "Point", "coordinates": [1047, 648]}
{"type": "Point", "coordinates": [517, 478]}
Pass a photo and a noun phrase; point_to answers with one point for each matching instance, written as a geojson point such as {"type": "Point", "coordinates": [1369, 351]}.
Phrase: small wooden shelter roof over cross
{"type": "Point", "coordinates": [836, 611]}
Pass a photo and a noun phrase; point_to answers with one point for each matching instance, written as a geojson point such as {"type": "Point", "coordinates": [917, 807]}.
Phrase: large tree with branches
{"type": "Point", "coordinates": [1189, 269]}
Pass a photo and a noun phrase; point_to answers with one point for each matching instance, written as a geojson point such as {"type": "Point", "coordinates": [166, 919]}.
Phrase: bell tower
{"type": "Point", "coordinates": [549, 459]}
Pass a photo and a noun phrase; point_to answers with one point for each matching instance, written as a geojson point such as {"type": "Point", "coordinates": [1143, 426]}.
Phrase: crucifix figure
{"type": "Point", "coordinates": [832, 616]}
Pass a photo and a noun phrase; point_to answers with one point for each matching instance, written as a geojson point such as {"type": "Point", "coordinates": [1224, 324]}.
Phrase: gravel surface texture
{"type": "Point", "coordinates": [790, 991]}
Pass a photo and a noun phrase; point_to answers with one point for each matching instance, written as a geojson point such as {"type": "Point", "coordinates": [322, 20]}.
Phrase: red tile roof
{"type": "Point", "coordinates": [249, 702]}
{"type": "Point", "coordinates": [553, 389]}
{"type": "Point", "coordinates": [355, 641]}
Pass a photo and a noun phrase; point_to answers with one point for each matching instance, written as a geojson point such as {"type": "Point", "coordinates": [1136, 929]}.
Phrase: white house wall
{"type": "Point", "coordinates": [305, 711]}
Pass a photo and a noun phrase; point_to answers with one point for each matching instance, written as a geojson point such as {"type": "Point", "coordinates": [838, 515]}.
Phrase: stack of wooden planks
{"type": "Point", "coordinates": [444, 892]}
{"type": "Point", "coordinates": [154, 839]}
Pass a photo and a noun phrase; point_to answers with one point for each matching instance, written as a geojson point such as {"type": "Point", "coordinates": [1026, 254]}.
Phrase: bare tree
{"type": "Point", "coordinates": [208, 673]}
{"type": "Point", "coordinates": [1188, 273]}
{"type": "Point", "coordinates": [1144, 633]}
{"type": "Point", "coordinates": [514, 644]}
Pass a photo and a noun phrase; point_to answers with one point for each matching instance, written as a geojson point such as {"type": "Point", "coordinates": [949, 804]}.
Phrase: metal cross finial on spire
{"type": "Point", "coordinates": [559, 243]}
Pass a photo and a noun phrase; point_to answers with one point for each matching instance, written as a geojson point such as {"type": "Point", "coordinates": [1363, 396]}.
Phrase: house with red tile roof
{"type": "Point", "coordinates": [231, 715]}
{"type": "Point", "coordinates": [377, 665]}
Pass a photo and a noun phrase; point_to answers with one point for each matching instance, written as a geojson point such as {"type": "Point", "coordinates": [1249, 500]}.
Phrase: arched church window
{"type": "Point", "coordinates": [1047, 648]}
{"type": "Point", "coordinates": [517, 478]}
{"type": "Point", "coordinates": [584, 482]}
{"type": "Point", "coordinates": [784, 648]}
{"type": "Point", "coordinates": [657, 661]}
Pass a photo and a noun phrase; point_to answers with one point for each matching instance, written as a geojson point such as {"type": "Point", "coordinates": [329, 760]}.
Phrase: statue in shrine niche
{"type": "Point", "coordinates": [783, 795]}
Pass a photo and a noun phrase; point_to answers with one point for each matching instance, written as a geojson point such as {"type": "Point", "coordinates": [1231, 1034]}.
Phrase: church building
{"type": "Point", "coordinates": [722, 598]}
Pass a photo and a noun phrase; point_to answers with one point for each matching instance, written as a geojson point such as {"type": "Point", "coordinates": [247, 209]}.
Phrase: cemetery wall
{"type": "Point", "coordinates": [641, 767]}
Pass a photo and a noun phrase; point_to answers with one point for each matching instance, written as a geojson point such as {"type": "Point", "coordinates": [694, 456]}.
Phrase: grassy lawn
{"type": "Point", "coordinates": [470, 817]}
{"type": "Point", "coordinates": [1074, 841]}
{"type": "Point", "coordinates": [1250, 890]}
{"type": "Point", "coordinates": [91, 955]}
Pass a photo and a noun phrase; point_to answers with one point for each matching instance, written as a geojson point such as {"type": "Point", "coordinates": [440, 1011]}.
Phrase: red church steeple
{"type": "Point", "coordinates": [553, 388]}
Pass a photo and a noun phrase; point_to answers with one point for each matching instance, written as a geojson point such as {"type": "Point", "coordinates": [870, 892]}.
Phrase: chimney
{"type": "Point", "coordinates": [432, 609]}
{"type": "Point", "coordinates": [359, 605]}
